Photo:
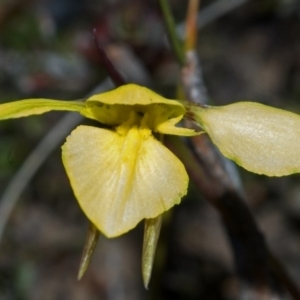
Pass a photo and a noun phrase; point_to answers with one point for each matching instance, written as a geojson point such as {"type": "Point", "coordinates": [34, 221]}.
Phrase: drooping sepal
{"type": "Point", "coordinates": [151, 235]}
{"type": "Point", "coordinates": [88, 250]}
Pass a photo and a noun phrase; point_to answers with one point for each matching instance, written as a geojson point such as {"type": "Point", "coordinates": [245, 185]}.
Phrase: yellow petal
{"type": "Point", "coordinates": [260, 138]}
{"type": "Point", "coordinates": [24, 108]}
{"type": "Point", "coordinates": [119, 179]}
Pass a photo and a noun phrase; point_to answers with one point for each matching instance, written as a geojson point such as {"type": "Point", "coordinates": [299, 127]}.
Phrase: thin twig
{"type": "Point", "coordinates": [211, 13]}
{"type": "Point", "coordinates": [191, 25]}
{"type": "Point", "coordinates": [113, 73]}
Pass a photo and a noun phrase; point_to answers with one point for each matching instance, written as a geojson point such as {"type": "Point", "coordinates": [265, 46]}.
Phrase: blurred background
{"type": "Point", "coordinates": [251, 51]}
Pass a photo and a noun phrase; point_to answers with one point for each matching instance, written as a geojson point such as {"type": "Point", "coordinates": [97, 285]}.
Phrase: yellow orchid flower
{"type": "Point", "coordinates": [123, 174]}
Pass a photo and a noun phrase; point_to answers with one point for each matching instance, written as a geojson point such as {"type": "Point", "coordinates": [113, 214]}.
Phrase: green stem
{"type": "Point", "coordinates": [170, 24]}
